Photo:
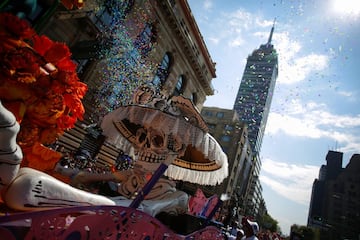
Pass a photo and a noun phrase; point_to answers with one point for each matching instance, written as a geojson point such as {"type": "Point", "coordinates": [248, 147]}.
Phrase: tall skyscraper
{"type": "Point", "coordinates": [335, 199]}
{"type": "Point", "coordinates": [256, 89]}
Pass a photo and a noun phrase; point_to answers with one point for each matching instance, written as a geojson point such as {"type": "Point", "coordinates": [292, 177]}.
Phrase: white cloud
{"type": "Point", "coordinates": [239, 25]}
{"type": "Point", "coordinates": [345, 93]}
{"type": "Point", "coordinates": [263, 23]}
{"type": "Point", "coordinates": [236, 42]}
{"type": "Point", "coordinates": [241, 19]}
{"type": "Point", "coordinates": [291, 181]}
{"type": "Point", "coordinates": [208, 4]}
{"type": "Point", "coordinates": [351, 96]}
{"type": "Point", "coordinates": [294, 68]}
{"type": "Point", "coordinates": [214, 40]}
{"type": "Point", "coordinates": [313, 120]}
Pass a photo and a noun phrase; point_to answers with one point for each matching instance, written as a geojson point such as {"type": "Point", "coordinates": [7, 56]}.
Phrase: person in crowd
{"type": "Point", "coordinates": [251, 229]}
{"type": "Point", "coordinates": [240, 234]}
{"type": "Point", "coordinates": [234, 228]}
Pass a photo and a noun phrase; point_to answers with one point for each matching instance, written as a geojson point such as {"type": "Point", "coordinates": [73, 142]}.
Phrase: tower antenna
{"type": "Point", "coordinates": [271, 33]}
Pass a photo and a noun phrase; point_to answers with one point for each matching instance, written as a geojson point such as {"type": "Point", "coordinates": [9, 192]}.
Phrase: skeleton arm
{"type": "Point", "coordinates": [85, 177]}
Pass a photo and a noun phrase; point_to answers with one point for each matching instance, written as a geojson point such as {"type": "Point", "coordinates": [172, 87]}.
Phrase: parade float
{"type": "Point", "coordinates": [41, 95]}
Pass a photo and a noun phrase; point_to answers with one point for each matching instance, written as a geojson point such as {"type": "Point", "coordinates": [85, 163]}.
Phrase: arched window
{"type": "Point", "coordinates": [179, 87]}
{"type": "Point", "coordinates": [163, 71]}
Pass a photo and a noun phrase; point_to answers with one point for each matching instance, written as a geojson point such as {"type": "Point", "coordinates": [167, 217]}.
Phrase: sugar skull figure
{"type": "Point", "coordinates": [166, 131]}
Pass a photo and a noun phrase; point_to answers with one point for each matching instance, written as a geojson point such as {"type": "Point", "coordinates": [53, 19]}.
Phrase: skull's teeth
{"type": "Point", "coordinates": [150, 158]}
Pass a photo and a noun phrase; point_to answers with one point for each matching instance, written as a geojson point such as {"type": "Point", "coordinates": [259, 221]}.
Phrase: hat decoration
{"type": "Point", "coordinates": [175, 121]}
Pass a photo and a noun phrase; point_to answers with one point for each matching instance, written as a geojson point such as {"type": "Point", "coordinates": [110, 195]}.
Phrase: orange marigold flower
{"type": "Point", "coordinates": [29, 134]}
{"type": "Point", "coordinates": [80, 89]}
{"type": "Point", "coordinates": [40, 157]}
{"type": "Point", "coordinates": [41, 79]}
{"type": "Point", "coordinates": [66, 122]}
{"type": "Point", "coordinates": [48, 135]}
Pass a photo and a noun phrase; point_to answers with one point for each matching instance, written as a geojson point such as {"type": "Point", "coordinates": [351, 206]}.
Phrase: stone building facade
{"type": "Point", "coordinates": [120, 45]}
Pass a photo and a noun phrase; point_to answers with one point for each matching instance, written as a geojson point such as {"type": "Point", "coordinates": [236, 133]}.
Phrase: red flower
{"type": "Point", "coordinates": [57, 52]}
{"type": "Point", "coordinates": [76, 109]}
{"type": "Point", "coordinates": [15, 26]}
{"type": "Point", "coordinates": [21, 65]}
{"type": "Point", "coordinates": [41, 44]}
{"type": "Point", "coordinates": [67, 65]}
{"type": "Point", "coordinates": [53, 52]}
{"type": "Point", "coordinates": [67, 78]}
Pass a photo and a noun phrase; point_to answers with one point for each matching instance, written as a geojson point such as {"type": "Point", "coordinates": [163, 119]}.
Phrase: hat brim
{"type": "Point", "coordinates": [203, 162]}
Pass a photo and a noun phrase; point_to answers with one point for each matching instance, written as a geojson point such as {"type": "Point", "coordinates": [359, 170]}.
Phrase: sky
{"type": "Point", "coordinates": [315, 105]}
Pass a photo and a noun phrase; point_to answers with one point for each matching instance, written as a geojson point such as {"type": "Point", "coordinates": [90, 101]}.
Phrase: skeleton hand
{"type": "Point", "coordinates": [122, 176]}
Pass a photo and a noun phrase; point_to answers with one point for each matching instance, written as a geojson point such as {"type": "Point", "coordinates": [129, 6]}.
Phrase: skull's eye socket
{"type": "Point", "coordinates": [157, 141]}
{"type": "Point", "coordinates": [141, 135]}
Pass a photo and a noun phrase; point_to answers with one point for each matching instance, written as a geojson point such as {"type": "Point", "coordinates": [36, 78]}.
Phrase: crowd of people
{"type": "Point", "coordinates": [80, 161]}
{"type": "Point", "coordinates": [83, 161]}
{"type": "Point", "coordinates": [249, 230]}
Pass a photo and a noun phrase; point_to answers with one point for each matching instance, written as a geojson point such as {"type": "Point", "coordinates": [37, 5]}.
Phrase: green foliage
{"type": "Point", "coordinates": [269, 223]}
{"type": "Point", "coordinates": [306, 232]}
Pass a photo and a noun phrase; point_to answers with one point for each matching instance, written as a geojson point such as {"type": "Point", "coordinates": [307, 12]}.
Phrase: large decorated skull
{"type": "Point", "coordinates": [153, 145]}
{"type": "Point", "coordinates": [159, 129]}
{"type": "Point", "coordinates": [170, 130]}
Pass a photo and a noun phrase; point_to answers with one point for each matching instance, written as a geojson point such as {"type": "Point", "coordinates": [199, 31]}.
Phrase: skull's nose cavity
{"type": "Point", "coordinates": [157, 141]}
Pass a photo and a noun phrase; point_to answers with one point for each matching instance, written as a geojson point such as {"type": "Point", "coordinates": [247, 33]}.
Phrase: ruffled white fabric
{"type": "Point", "coordinates": [180, 127]}
{"type": "Point", "coordinates": [212, 151]}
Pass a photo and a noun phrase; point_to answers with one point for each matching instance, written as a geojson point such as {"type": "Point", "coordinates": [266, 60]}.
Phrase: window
{"type": "Point", "coordinates": [229, 127]}
{"type": "Point", "coordinates": [211, 126]}
{"type": "Point", "coordinates": [163, 71]}
{"type": "Point", "coordinates": [193, 98]}
{"type": "Point", "coordinates": [225, 138]}
{"type": "Point", "coordinates": [208, 113]}
{"type": "Point", "coordinates": [219, 114]}
{"type": "Point", "coordinates": [179, 88]}
{"type": "Point", "coordinates": [81, 65]}
{"type": "Point", "coordinates": [102, 18]}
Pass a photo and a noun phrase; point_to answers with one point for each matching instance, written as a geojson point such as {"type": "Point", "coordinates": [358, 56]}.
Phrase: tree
{"type": "Point", "coordinates": [269, 223]}
{"type": "Point", "coordinates": [303, 232]}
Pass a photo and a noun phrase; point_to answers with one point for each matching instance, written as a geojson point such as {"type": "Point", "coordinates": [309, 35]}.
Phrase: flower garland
{"type": "Point", "coordinates": [39, 84]}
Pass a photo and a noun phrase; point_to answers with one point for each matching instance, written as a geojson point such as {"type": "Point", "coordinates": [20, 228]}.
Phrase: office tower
{"type": "Point", "coordinates": [335, 199]}
{"type": "Point", "coordinates": [254, 97]}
